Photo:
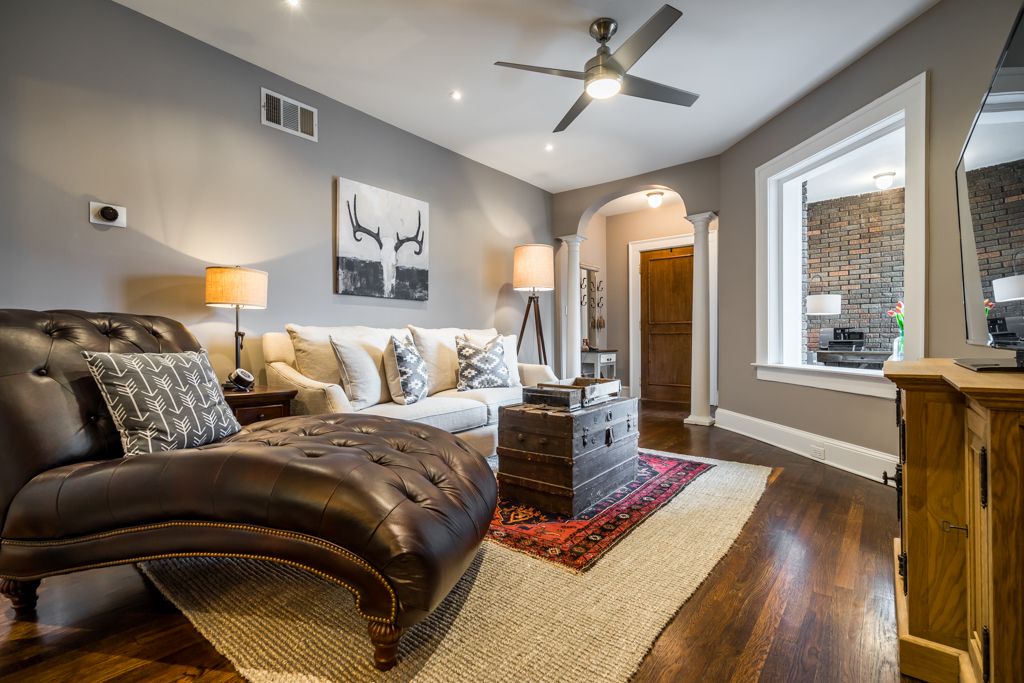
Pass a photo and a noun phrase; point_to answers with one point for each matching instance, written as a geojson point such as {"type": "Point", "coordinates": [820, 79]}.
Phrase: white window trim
{"type": "Point", "coordinates": [910, 99]}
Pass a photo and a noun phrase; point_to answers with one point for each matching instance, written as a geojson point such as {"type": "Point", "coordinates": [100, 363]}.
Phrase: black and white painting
{"type": "Point", "coordinates": [382, 240]}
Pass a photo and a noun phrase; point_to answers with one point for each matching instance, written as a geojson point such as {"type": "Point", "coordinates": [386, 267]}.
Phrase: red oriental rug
{"type": "Point", "coordinates": [579, 542]}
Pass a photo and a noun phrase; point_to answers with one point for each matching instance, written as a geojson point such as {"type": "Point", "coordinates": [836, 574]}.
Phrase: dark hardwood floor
{"type": "Point", "coordinates": [805, 594]}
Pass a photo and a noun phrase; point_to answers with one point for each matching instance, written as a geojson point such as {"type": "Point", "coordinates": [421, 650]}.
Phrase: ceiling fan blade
{"type": "Point", "coordinates": [646, 36]}
{"type": "Point", "coordinates": [566, 73]}
{"type": "Point", "coordinates": [573, 112]}
{"type": "Point", "coordinates": [649, 90]}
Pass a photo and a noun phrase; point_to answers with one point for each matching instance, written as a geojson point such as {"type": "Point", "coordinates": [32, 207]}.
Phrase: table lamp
{"type": "Point", "coordinates": [533, 270]}
{"type": "Point", "coordinates": [237, 287]}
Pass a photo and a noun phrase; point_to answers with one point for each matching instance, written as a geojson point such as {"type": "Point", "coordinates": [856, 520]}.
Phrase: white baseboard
{"type": "Point", "coordinates": [840, 454]}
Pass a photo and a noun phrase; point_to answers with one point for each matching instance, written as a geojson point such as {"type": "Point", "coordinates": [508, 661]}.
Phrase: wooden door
{"type": "Point", "coordinates": [666, 324]}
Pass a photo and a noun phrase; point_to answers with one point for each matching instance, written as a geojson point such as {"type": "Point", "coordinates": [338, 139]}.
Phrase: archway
{"type": "Point", "coordinates": [700, 230]}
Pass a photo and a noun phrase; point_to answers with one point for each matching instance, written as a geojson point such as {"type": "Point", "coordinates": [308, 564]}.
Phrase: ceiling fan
{"type": "Point", "coordinates": [604, 75]}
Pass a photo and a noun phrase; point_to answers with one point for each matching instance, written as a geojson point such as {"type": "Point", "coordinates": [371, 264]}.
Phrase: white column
{"type": "Point", "coordinates": [574, 335]}
{"type": "Point", "coordinates": [700, 377]}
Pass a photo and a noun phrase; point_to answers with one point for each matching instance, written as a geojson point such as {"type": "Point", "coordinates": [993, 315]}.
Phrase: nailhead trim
{"type": "Point", "coordinates": [220, 525]}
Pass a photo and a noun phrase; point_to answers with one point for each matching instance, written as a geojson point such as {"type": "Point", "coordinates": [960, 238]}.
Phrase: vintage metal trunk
{"type": "Point", "coordinates": [564, 462]}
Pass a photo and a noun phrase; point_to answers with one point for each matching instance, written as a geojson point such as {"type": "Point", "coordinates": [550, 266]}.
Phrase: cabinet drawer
{"type": "Point", "coordinates": [252, 414]}
{"type": "Point", "coordinates": [607, 357]}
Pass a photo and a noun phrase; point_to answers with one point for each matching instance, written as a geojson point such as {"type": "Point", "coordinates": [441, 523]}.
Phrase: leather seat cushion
{"type": "Point", "coordinates": [492, 398]}
{"type": "Point", "coordinates": [412, 500]}
{"type": "Point", "coordinates": [448, 413]}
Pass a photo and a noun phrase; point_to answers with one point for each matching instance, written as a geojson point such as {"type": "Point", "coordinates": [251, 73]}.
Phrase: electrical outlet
{"type": "Point", "coordinates": [102, 213]}
{"type": "Point", "coordinates": [818, 451]}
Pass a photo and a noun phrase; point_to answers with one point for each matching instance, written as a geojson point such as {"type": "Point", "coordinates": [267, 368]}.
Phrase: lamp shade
{"type": "Point", "coordinates": [1008, 288]}
{"type": "Point", "coordinates": [824, 304]}
{"type": "Point", "coordinates": [534, 268]}
{"type": "Point", "coordinates": [228, 287]}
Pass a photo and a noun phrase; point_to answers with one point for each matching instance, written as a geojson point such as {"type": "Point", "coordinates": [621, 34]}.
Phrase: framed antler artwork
{"type": "Point", "coordinates": [382, 241]}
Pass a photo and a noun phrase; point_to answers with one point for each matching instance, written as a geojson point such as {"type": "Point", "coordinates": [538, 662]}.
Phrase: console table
{"type": "Point", "coordinates": [960, 497]}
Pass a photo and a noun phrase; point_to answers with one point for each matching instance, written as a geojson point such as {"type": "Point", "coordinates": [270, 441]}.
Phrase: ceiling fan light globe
{"type": "Point", "coordinates": [603, 88]}
{"type": "Point", "coordinates": [603, 83]}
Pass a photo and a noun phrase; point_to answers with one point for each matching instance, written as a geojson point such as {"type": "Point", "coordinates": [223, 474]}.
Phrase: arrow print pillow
{"type": "Point", "coordinates": [162, 401]}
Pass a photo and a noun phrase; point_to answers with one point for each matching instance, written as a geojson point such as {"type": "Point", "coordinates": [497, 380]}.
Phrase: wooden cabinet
{"type": "Point", "coordinates": [960, 557]}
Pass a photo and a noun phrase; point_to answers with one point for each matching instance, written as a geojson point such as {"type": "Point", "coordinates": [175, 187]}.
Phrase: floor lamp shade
{"type": "Point", "coordinates": [228, 287]}
{"type": "Point", "coordinates": [533, 268]}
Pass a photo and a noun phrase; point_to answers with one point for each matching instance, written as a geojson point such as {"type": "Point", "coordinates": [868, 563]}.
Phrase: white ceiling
{"type": "Point", "coordinates": [637, 202]}
{"type": "Point", "coordinates": [854, 172]}
{"type": "Point", "coordinates": [398, 60]}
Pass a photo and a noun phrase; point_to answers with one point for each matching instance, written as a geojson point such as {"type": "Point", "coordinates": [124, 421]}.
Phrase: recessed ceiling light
{"type": "Point", "coordinates": [654, 199]}
{"type": "Point", "coordinates": [293, 3]}
{"type": "Point", "coordinates": [549, 147]}
{"type": "Point", "coordinates": [456, 95]}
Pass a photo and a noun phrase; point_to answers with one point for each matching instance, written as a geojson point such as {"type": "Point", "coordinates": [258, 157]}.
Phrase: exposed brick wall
{"type": "Point", "coordinates": [856, 245]}
{"type": "Point", "coordinates": [996, 194]}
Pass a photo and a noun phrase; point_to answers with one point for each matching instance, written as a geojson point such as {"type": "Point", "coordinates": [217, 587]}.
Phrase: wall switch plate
{"type": "Point", "coordinates": [121, 221]}
{"type": "Point", "coordinates": [818, 451]}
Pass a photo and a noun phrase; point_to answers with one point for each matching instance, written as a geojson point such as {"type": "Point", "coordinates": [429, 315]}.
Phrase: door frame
{"type": "Point", "coordinates": [685, 240]}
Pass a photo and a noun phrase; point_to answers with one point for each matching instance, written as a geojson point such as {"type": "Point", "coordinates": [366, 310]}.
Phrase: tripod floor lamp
{"type": "Point", "coordinates": [533, 271]}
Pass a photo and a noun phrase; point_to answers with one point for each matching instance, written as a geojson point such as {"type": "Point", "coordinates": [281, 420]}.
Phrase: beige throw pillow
{"type": "Point", "coordinates": [508, 341]}
{"type": "Point", "coordinates": [315, 357]}
{"type": "Point", "coordinates": [360, 362]}
{"type": "Point", "coordinates": [437, 347]}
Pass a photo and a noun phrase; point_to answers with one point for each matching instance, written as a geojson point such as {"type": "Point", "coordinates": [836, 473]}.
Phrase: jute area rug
{"type": "Point", "coordinates": [512, 617]}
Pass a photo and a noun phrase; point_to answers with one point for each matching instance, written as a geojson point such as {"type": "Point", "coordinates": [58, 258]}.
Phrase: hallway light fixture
{"type": "Point", "coordinates": [654, 199]}
{"type": "Point", "coordinates": [883, 181]}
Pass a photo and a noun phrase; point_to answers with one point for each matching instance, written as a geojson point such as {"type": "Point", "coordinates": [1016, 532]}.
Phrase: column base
{"type": "Point", "coordinates": [699, 420]}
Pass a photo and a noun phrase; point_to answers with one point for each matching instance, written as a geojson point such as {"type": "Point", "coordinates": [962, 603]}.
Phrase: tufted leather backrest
{"type": "Point", "coordinates": [51, 412]}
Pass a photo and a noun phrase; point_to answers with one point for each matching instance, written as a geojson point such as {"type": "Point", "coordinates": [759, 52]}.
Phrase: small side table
{"type": "Point", "coordinates": [599, 363]}
{"type": "Point", "coordinates": [262, 403]}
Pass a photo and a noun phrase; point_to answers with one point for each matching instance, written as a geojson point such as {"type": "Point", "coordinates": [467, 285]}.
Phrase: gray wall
{"type": "Point", "coordinates": [103, 103]}
{"type": "Point", "coordinates": [958, 43]}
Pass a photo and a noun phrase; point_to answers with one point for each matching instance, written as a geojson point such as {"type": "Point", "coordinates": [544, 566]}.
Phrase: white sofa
{"type": "Point", "coordinates": [472, 415]}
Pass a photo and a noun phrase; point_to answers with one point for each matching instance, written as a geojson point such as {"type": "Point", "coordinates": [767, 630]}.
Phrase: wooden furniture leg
{"type": "Point", "coordinates": [22, 595]}
{"type": "Point", "coordinates": [385, 639]}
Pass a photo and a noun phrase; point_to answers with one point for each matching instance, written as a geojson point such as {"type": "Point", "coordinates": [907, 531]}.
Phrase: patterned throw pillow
{"type": "Point", "coordinates": [406, 371]}
{"type": "Point", "coordinates": [162, 401]}
{"type": "Point", "coordinates": [482, 366]}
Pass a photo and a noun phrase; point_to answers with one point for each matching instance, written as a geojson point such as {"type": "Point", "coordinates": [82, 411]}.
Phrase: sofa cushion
{"type": "Point", "coordinates": [492, 398]}
{"type": "Point", "coordinates": [162, 401]}
{"type": "Point", "coordinates": [450, 414]}
{"type": "Point", "coordinates": [437, 346]}
{"type": "Point", "coordinates": [360, 359]}
{"type": "Point", "coordinates": [314, 356]}
{"type": "Point", "coordinates": [405, 370]}
{"type": "Point", "coordinates": [481, 364]}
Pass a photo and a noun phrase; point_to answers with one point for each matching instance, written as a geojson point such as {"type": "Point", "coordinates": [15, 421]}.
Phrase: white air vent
{"type": "Point", "coordinates": [284, 113]}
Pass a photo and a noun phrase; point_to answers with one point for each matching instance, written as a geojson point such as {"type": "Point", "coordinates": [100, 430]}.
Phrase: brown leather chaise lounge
{"type": "Point", "coordinates": [393, 511]}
